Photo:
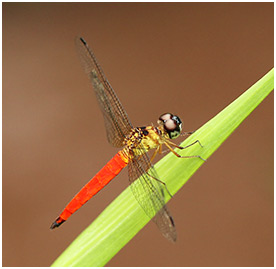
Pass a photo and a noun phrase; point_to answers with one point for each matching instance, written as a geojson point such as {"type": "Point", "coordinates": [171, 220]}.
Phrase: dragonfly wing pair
{"type": "Point", "coordinates": [148, 191]}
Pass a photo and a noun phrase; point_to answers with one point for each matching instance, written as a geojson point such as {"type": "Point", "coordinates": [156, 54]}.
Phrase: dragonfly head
{"type": "Point", "coordinates": [172, 124]}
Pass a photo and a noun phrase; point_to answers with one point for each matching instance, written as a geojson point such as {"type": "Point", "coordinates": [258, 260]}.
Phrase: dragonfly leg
{"type": "Point", "coordinates": [160, 181]}
{"type": "Point", "coordinates": [154, 154]}
{"type": "Point", "coordinates": [186, 133]}
{"type": "Point", "coordinates": [179, 147]}
{"type": "Point", "coordinates": [160, 149]}
{"type": "Point", "coordinates": [179, 156]}
{"type": "Point", "coordinates": [163, 151]}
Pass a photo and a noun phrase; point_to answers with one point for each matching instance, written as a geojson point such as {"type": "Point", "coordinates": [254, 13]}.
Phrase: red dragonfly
{"type": "Point", "coordinates": [148, 190]}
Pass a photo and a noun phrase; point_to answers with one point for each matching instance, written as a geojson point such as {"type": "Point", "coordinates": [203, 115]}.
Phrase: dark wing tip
{"type": "Point", "coordinates": [83, 41]}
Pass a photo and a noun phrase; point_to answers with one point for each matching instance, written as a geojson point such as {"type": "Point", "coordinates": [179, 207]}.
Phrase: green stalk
{"type": "Point", "coordinates": [124, 218]}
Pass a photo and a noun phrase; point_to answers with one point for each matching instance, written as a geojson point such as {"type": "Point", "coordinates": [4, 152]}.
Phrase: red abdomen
{"type": "Point", "coordinates": [102, 178]}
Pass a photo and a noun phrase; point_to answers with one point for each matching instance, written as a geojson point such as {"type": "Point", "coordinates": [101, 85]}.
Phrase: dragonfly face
{"type": "Point", "coordinates": [171, 124]}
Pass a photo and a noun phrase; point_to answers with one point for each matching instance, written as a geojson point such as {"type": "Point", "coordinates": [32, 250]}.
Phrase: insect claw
{"type": "Point", "coordinates": [201, 158]}
{"type": "Point", "coordinates": [199, 143]}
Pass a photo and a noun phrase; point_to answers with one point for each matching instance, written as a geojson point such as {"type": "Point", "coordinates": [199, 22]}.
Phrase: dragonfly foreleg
{"type": "Point", "coordinates": [186, 133]}
{"type": "Point", "coordinates": [179, 147]}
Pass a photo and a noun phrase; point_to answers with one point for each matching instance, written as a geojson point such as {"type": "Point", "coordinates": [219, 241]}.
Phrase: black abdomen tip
{"type": "Point", "coordinates": [57, 223]}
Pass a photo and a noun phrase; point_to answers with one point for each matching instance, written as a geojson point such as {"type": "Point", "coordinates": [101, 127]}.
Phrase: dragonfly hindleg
{"type": "Point", "coordinates": [160, 181]}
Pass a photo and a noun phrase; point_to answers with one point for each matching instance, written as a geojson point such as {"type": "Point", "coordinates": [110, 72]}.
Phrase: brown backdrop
{"type": "Point", "coordinates": [190, 59]}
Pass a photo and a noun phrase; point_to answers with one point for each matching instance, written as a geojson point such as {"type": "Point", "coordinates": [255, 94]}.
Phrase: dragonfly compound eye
{"type": "Point", "coordinates": [172, 124]}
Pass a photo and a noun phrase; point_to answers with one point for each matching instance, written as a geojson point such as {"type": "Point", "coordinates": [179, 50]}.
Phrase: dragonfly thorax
{"type": "Point", "coordinates": [142, 139]}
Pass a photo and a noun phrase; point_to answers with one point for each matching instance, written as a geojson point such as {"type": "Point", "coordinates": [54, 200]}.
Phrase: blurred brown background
{"type": "Point", "coordinates": [192, 59]}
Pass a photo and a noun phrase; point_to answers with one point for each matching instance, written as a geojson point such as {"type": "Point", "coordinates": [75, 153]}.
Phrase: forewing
{"type": "Point", "coordinates": [116, 120]}
{"type": "Point", "coordinates": [149, 193]}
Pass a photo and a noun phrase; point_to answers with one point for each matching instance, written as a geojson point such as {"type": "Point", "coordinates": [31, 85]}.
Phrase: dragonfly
{"type": "Point", "coordinates": [146, 187]}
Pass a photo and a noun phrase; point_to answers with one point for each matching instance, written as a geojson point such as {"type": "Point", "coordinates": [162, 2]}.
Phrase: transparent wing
{"type": "Point", "coordinates": [116, 120]}
{"type": "Point", "coordinates": [149, 193]}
